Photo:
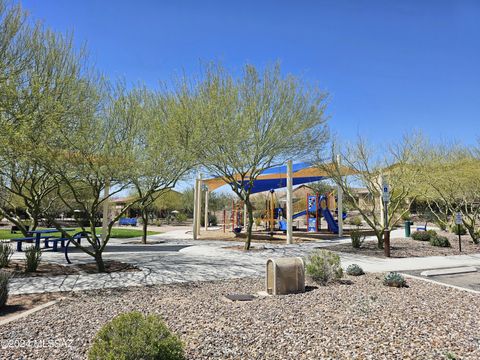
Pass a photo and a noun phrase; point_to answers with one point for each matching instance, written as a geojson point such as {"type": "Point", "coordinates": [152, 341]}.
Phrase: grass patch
{"type": "Point", "coordinates": [116, 233]}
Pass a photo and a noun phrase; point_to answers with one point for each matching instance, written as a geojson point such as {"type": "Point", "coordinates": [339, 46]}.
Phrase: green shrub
{"type": "Point", "coordinates": [423, 235]}
{"type": "Point", "coordinates": [212, 220]}
{"type": "Point", "coordinates": [357, 238]}
{"type": "Point", "coordinates": [406, 216]}
{"type": "Point", "coordinates": [442, 225]}
{"type": "Point", "coordinates": [394, 279]}
{"type": "Point", "coordinates": [4, 279]}
{"type": "Point", "coordinates": [356, 221]}
{"type": "Point", "coordinates": [181, 217]}
{"type": "Point", "coordinates": [133, 336]}
{"type": "Point", "coordinates": [440, 241]}
{"type": "Point", "coordinates": [6, 253]}
{"type": "Point", "coordinates": [32, 259]}
{"type": "Point", "coordinates": [354, 270]}
{"type": "Point", "coordinates": [454, 229]}
{"type": "Point", "coordinates": [324, 266]}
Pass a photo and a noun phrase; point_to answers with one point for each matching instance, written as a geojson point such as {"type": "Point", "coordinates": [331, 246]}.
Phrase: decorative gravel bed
{"type": "Point", "coordinates": [407, 247]}
{"type": "Point", "coordinates": [16, 268]}
{"type": "Point", "coordinates": [362, 320]}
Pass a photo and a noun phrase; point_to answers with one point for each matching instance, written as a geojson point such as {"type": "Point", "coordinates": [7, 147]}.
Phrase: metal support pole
{"type": "Point", "coordinates": [195, 209]}
{"type": "Point", "coordinates": [206, 210]}
{"type": "Point", "coordinates": [199, 205]}
{"type": "Point", "coordinates": [289, 202]}
{"type": "Point", "coordinates": [459, 238]}
{"type": "Point", "coordinates": [340, 202]}
{"type": "Point", "coordinates": [307, 214]}
{"type": "Point", "coordinates": [272, 213]}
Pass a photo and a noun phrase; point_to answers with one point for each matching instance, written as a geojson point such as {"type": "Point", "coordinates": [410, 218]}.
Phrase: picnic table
{"type": "Point", "coordinates": [37, 236]}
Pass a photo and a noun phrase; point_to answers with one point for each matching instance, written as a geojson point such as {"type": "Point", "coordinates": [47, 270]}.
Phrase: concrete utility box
{"type": "Point", "coordinates": [285, 276]}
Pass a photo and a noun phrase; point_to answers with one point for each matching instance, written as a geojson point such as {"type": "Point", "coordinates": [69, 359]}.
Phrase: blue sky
{"type": "Point", "coordinates": [391, 67]}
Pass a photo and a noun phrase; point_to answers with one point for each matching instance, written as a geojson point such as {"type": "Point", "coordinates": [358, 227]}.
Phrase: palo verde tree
{"type": "Point", "coordinates": [162, 149]}
{"type": "Point", "coordinates": [451, 178]}
{"type": "Point", "coordinates": [253, 122]}
{"type": "Point", "coordinates": [92, 153]}
{"type": "Point", "coordinates": [361, 167]}
{"type": "Point", "coordinates": [39, 85]}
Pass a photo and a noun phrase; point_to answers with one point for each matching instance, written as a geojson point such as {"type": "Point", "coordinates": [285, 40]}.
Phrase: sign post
{"type": "Point", "coordinates": [386, 231]}
{"type": "Point", "coordinates": [459, 221]}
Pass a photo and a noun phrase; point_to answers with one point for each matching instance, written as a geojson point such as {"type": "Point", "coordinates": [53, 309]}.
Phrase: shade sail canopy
{"type": "Point", "coordinates": [276, 177]}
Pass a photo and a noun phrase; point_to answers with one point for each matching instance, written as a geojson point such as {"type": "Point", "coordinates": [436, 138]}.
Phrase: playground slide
{"type": "Point", "coordinates": [332, 224]}
{"type": "Point", "coordinates": [301, 213]}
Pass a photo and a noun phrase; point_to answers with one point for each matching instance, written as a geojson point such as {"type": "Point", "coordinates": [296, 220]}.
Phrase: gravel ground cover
{"type": "Point", "coordinates": [16, 268]}
{"type": "Point", "coordinates": [407, 247]}
{"type": "Point", "coordinates": [360, 320]}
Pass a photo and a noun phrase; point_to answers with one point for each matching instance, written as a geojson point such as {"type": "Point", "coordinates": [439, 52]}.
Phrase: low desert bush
{"type": "Point", "coordinates": [394, 279]}
{"type": "Point", "coordinates": [354, 270]}
{"type": "Point", "coordinates": [32, 259]}
{"type": "Point", "coordinates": [132, 336]}
{"type": "Point", "coordinates": [454, 229]}
{"type": "Point", "coordinates": [6, 253]}
{"type": "Point", "coordinates": [181, 217]}
{"type": "Point", "coordinates": [357, 238]}
{"type": "Point", "coordinates": [356, 221]}
{"type": "Point", "coordinates": [440, 241]}
{"type": "Point", "coordinates": [324, 266]}
{"type": "Point", "coordinates": [423, 235]}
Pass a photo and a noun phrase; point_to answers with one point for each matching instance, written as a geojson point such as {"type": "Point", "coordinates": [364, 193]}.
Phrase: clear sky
{"type": "Point", "coordinates": [390, 66]}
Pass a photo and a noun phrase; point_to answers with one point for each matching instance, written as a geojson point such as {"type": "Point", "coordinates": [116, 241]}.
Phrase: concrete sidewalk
{"type": "Point", "coordinates": [180, 259]}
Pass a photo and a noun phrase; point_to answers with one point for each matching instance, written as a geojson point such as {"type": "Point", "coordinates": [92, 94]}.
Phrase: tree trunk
{"type": "Point", "coordinates": [379, 234]}
{"type": "Point", "coordinates": [99, 262]}
{"type": "Point", "coordinates": [144, 225]}
{"type": "Point", "coordinates": [34, 223]}
{"type": "Point", "coordinates": [471, 231]}
{"type": "Point", "coordinates": [249, 225]}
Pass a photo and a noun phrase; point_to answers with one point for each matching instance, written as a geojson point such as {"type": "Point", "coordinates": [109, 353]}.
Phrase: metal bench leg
{"type": "Point", "coordinates": [19, 246]}
{"type": "Point", "coordinates": [55, 245]}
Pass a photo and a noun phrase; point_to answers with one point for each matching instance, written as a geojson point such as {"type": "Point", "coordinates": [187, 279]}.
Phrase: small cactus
{"type": "Point", "coordinates": [354, 270]}
{"type": "Point", "coordinates": [394, 279]}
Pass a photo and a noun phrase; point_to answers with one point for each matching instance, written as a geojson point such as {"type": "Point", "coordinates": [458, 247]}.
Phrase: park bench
{"type": "Point", "coordinates": [422, 228]}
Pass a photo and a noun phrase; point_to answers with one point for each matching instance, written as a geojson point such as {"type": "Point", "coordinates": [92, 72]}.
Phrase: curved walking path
{"type": "Point", "coordinates": [178, 258]}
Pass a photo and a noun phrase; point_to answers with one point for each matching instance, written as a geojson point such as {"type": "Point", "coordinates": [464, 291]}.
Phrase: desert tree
{"type": "Point", "coordinates": [39, 82]}
{"type": "Point", "coordinates": [451, 178]}
{"type": "Point", "coordinates": [162, 148]}
{"type": "Point", "coordinates": [91, 158]}
{"type": "Point", "coordinates": [365, 166]}
{"type": "Point", "coordinates": [253, 122]}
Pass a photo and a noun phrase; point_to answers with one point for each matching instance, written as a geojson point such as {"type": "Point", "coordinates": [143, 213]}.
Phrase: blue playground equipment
{"type": "Point", "coordinates": [127, 221]}
{"type": "Point", "coordinates": [315, 212]}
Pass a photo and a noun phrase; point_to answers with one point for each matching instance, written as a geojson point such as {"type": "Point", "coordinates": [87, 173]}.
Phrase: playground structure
{"type": "Point", "coordinates": [274, 213]}
{"type": "Point", "coordinates": [237, 217]}
{"type": "Point", "coordinates": [270, 179]}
